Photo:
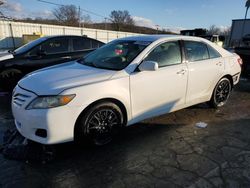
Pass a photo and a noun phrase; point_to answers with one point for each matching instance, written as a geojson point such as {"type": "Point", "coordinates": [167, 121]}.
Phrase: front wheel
{"type": "Point", "coordinates": [221, 93]}
{"type": "Point", "coordinates": [100, 123]}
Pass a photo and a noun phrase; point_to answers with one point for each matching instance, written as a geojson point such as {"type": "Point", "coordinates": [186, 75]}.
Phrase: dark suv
{"type": "Point", "coordinates": [40, 53]}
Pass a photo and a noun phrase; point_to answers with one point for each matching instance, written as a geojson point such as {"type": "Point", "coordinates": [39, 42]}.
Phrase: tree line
{"type": "Point", "coordinates": [118, 20]}
{"type": "Point", "coordinates": [70, 15]}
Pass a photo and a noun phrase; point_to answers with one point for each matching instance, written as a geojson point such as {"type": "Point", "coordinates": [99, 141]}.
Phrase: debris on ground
{"type": "Point", "coordinates": [16, 147]}
{"type": "Point", "coordinates": [201, 125]}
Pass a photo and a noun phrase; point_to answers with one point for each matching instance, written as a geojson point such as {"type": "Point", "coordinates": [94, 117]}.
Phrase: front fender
{"type": "Point", "coordinates": [85, 95]}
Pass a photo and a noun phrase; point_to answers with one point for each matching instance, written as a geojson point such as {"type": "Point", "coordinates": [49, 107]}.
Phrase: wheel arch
{"type": "Point", "coordinates": [230, 77]}
{"type": "Point", "coordinates": [113, 100]}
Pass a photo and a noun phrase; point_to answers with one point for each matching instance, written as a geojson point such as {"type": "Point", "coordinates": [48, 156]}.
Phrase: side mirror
{"type": "Point", "coordinates": [148, 66]}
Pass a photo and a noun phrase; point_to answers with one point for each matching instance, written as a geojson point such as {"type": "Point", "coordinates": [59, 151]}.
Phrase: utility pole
{"type": "Point", "coordinates": [79, 15]}
{"type": "Point", "coordinates": [157, 28]}
{"type": "Point", "coordinates": [105, 20]}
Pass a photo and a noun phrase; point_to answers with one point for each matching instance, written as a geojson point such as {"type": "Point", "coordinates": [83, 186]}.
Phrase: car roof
{"type": "Point", "coordinates": [57, 36]}
{"type": "Point", "coordinates": [152, 38]}
{"type": "Point", "coordinates": [149, 38]}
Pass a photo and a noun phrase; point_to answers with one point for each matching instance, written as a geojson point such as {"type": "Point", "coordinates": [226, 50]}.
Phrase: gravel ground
{"type": "Point", "coordinates": [167, 151]}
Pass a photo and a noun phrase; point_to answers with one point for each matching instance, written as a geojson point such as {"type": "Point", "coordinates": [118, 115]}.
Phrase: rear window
{"type": "Point", "coordinates": [81, 44]}
{"type": "Point", "coordinates": [85, 44]}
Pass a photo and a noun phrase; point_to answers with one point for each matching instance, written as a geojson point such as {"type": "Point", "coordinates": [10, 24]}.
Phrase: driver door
{"type": "Point", "coordinates": [51, 52]}
{"type": "Point", "coordinates": [161, 91]}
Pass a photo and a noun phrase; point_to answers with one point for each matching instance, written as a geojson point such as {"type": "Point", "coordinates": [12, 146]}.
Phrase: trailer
{"type": "Point", "coordinates": [240, 28]}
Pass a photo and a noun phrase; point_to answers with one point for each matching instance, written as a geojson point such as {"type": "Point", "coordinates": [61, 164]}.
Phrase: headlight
{"type": "Point", "coordinates": [50, 101]}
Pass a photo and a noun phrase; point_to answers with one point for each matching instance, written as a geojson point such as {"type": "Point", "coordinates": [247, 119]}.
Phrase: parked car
{"type": "Point", "coordinates": [244, 53]}
{"type": "Point", "coordinates": [40, 53]}
{"type": "Point", "coordinates": [121, 83]}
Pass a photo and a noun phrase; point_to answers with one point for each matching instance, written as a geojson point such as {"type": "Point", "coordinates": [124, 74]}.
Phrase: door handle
{"type": "Point", "coordinates": [219, 63]}
{"type": "Point", "coordinates": [66, 57]}
{"type": "Point", "coordinates": [181, 72]}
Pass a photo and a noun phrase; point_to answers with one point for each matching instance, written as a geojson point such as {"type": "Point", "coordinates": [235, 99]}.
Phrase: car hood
{"type": "Point", "coordinates": [54, 80]}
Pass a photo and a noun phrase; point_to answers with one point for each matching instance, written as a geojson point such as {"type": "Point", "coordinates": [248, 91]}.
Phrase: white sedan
{"type": "Point", "coordinates": [124, 82]}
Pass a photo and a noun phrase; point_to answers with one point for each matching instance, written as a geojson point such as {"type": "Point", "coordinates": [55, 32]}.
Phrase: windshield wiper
{"type": "Point", "coordinates": [91, 64]}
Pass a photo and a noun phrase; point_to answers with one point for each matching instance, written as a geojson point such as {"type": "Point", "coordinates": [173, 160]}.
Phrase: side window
{"type": "Point", "coordinates": [213, 53]}
{"type": "Point", "coordinates": [96, 44]}
{"type": "Point", "coordinates": [166, 54]}
{"type": "Point", "coordinates": [54, 46]}
{"type": "Point", "coordinates": [196, 51]}
{"type": "Point", "coordinates": [81, 44]}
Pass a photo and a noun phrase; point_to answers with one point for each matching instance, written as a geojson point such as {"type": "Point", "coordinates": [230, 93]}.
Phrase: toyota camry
{"type": "Point", "coordinates": [121, 83]}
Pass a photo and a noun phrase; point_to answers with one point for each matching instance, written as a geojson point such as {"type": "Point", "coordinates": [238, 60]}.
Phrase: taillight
{"type": "Point", "coordinates": [240, 61]}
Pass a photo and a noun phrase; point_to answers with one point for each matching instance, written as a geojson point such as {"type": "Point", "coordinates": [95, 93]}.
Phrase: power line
{"type": "Point", "coordinates": [82, 10]}
{"type": "Point", "coordinates": [50, 3]}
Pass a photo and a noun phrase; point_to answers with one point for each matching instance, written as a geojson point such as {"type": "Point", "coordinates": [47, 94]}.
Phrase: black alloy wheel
{"type": "Point", "coordinates": [101, 123]}
{"type": "Point", "coordinates": [221, 93]}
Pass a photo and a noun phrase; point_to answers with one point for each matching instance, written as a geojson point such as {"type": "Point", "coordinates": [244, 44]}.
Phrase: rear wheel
{"type": "Point", "coordinates": [100, 123]}
{"type": "Point", "coordinates": [221, 93]}
{"type": "Point", "coordinates": [9, 78]}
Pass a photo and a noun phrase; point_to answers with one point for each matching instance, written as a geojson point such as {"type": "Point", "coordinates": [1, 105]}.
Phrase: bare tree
{"type": "Point", "coordinates": [120, 18]}
{"type": "Point", "coordinates": [86, 19]}
{"type": "Point", "coordinates": [67, 14]}
{"type": "Point", "coordinates": [214, 30]}
{"type": "Point", "coordinates": [226, 32]}
{"type": "Point", "coordinates": [1, 13]}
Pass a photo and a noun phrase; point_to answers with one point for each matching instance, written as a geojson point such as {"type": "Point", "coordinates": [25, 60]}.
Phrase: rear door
{"type": "Point", "coordinates": [206, 66]}
{"type": "Point", "coordinates": [81, 46]}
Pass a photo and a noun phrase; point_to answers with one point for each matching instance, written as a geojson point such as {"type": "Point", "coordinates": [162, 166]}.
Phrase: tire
{"type": "Point", "coordinates": [221, 93]}
{"type": "Point", "coordinates": [99, 124]}
{"type": "Point", "coordinates": [9, 79]}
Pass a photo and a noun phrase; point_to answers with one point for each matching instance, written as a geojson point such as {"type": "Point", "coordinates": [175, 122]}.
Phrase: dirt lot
{"type": "Point", "coordinates": [168, 151]}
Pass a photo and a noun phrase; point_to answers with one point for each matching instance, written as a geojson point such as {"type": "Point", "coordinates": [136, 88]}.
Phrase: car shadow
{"type": "Point", "coordinates": [138, 133]}
{"type": "Point", "coordinates": [129, 138]}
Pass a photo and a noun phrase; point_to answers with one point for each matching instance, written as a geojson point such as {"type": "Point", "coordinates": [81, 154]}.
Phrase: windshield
{"type": "Point", "coordinates": [116, 55]}
{"type": "Point", "coordinates": [29, 45]}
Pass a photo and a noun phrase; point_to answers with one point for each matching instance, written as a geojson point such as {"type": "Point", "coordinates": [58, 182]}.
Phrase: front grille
{"type": "Point", "coordinates": [19, 99]}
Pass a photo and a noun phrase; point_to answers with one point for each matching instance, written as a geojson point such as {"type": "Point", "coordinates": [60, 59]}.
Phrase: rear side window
{"type": "Point", "coordinates": [196, 51]}
{"type": "Point", "coordinates": [166, 54]}
{"type": "Point", "coordinates": [96, 44]}
{"type": "Point", "coordinates": [54, 46]}
{"type": "Point", "coordinates": [81, 44]}
{"type": "Point", "coordinates": [213, 53]}
{"type": "Point", "coordinates": [85, 44]}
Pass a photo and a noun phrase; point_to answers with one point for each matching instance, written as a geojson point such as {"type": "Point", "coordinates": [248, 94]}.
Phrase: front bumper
{"type": "Point", "coordinates": [58, 123]}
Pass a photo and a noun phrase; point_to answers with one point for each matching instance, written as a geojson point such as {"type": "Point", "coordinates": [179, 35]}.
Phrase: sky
{"type": "Point", "coordinates": [168, 14]}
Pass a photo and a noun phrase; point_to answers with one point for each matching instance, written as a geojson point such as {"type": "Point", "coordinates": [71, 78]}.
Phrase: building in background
{"type": "Point", "coordinates": [240, 30]}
